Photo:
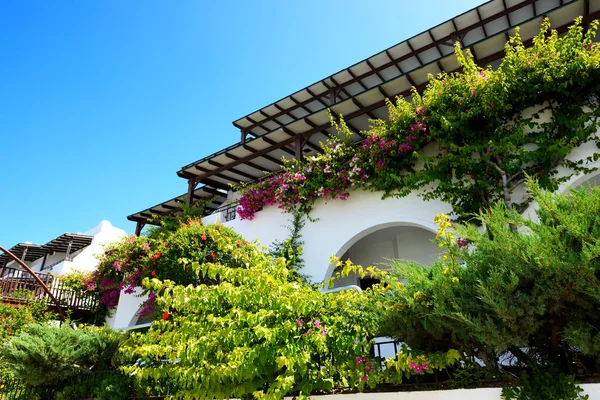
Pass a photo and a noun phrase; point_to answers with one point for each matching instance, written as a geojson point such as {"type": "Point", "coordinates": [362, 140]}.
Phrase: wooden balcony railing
{"type": "Point", "coordinates": [18, 286]}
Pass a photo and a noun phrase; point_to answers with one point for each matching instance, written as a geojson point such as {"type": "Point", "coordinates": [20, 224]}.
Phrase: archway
{"type": "Point", "coordinates": [378, 245]}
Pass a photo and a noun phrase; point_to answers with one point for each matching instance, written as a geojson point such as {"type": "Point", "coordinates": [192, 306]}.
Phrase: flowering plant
{"type": "Point", "coordinates": [164, 253]}
{"type": "Point", "coordinates": [258, 333]}
{"type": "Point", "coordinates": [470, 139]}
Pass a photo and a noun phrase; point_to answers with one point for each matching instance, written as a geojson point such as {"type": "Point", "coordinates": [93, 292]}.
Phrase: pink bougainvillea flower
{"type": "Point", "coordinates": [323, 331]}
{"type": "Point", "coordinates": [317, 323]}
{"type": "Point", "coordinates": [364, 378]}
{"type": "Point", "coordinates": [300, 323]}
{"type": "Point", "coordinates": [425, 367]}
{"type": "Point", "coordinates": [418, 370]}
{"type": "Point", "coordinates": [412, 365]}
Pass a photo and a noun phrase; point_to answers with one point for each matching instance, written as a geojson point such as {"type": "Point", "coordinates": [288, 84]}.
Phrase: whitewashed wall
{"type": "Point", "coordinates": [84, 259]}
{"type": "Point", "coordinates": [593, 390]}
{"type": "Point", "coordinates": [342, 224]}
{"type": "Point", "coordinates": [126, 311]}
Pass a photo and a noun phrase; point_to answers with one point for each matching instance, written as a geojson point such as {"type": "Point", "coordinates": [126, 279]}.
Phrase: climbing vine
{"type": "Point", "coordinates": [470, 139]}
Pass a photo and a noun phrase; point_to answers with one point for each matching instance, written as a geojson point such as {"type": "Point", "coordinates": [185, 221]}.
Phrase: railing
{"type": "Point", "coordinates": [228, 211]}
{"type": "Point", "coordinates": [19, 287]}
{"type": "Point", "coordinates": [12, 389]}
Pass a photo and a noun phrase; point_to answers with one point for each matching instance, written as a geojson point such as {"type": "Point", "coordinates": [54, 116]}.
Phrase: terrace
{"type": "Point", "coordinates": [21, 286]}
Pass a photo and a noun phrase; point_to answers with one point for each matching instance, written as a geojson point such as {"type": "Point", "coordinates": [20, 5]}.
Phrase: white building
{"type": "Point", "coordinates": [65, 253]}
{"type": "Point", "coordinates": [365, 228]}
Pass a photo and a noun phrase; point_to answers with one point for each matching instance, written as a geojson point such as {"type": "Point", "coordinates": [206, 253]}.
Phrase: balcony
{"type": "Point", "coordinates": [19, 287]}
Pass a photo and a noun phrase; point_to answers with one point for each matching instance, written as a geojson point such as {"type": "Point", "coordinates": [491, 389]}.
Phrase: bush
{"type": "Point", "coordinates": [256, 332]}
{"type": "Point", "coordinates": [125, 264]}
{"type": "Point", "coordinates": [521, 288]}
{"type": "Point", "coordinates": [47, 356]}
{"type": "Point", "coordinates": [113, 386]}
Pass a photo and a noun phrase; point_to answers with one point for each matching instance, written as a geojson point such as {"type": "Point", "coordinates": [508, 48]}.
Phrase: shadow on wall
{"type": "Point", "coordinates": [377, 245]}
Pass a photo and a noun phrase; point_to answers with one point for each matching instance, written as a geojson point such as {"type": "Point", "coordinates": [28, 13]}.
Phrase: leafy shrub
{"type": "Point", "coordinates": [545, 385]}
{"type": "Point", "coordinates": [12, 321]}
{"type": "Point", "coordinates": [46, 356]}
{"type": "Point", "coordinates": [527, 293]}
{"type": "Point", "coordinates": [125, 264]}
{"type": "Point", "coordinates": [256, 332]}
{"type": "Point", "coordinates": [114, 386]}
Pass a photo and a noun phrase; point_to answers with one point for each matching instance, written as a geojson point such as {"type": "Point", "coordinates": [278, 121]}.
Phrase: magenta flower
{"type": "Point", "coordinates": [418, 370]}
{"type": "Point", "coordinates": [300, 323]}
{"type": "Point", "coordinates": [364, 378]}
{"type": "Point", "coordinates": [412, 365]}
{"type": "Point", "coordinates": [317, 323]}
{"type": "Point", "coordinates": [323, 331]}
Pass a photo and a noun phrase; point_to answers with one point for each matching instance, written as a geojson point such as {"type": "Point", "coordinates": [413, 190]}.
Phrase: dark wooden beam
{"type": "Point", "coordinates": [444, 40]}
{"type": "Point", "coordinates": [138, 227]}
{"type": "Point", "coordinates": [312, 146]}
{"type": "Point", "coordinates": [249, 163]}
{"type": "Point", "coordinates": [265, 156]}
{"type": "Point", "coordinates": [216, 184]}
{"type": "Point", "coordinates": [234, 170]}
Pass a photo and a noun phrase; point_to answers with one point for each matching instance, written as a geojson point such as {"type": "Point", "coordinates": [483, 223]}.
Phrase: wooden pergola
{"type": "Point", "coordinates": [296, 125]}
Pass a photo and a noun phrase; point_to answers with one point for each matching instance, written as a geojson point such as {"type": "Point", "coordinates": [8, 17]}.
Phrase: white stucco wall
{"type": "Point", "coordinates": [84, 259]}
{"type": "Point", "coordinates": [593, 390]}
{"type": "Point", "coordinates": [125, 313]}
{"type": "Point", "coordinates": [341, 224]}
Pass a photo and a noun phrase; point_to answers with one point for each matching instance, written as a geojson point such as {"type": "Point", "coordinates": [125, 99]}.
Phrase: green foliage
{"type": "Point", "coordinates": [13, 319]}
{"type": "Point", "coordinates": [76, 280]}
{"type": "Point", "coordinates": [114, 386]}
{"type": "Point", "coordinates": [545, 385]}
{"type": "Point", "coordinates": [291, 248]}
{"type": "Point", "coordinates": [498, 291]}
{"type": "Point", "coordinates": [257, 333]}
{"type": "Point", "coordinates": [163, 254]}
{"type": "Point", "coordinates": [411, 362]}
{"type": "Point", "coordinates": [470, 138]}
{"type": "Point", "coordinates": [46, 356]}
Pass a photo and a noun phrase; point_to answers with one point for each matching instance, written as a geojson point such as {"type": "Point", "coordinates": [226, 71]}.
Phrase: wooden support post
{"type": "Point", "coordinates": [190, 193]}
{"type": "Point", "coordinates": [299, 148]}
{"type": "Point", "coordinates": [24, 253]}
{"type": "Point", "coordinates": [331, 96]}
{"type": "Point", "coordinates": [138, 227]}
{"type": "Point", "coordinates": [244, 135]}
{"type": "Point", "coordinates": [44, 261]}
{"type": "Point", "coordinates": [69, 249]}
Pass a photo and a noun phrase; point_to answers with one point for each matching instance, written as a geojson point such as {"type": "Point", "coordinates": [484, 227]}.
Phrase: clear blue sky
{"type": "Point", "coordinates": [101, 102]}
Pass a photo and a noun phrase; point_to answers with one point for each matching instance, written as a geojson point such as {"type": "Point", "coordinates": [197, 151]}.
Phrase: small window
{"type": "Point", "coordinates": [366, 283]}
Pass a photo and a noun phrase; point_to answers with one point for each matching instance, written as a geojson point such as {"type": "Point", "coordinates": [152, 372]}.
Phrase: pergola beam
{"type": "Point", "coordinates": [444, 40]}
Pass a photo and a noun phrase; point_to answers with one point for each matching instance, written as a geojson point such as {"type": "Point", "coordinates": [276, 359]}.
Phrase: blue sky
{"type": "Point", "coordinates": [101, 102]}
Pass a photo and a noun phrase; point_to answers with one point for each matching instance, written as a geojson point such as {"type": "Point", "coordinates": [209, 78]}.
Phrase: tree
{"type": "Point", "coordinates": [502, 290]}
{"type": "Point", "coordinates": [256, 332]}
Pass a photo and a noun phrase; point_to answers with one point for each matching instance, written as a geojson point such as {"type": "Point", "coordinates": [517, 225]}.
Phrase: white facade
{"type": "Point", "coordinates": [81, 260]}
{"type": "Point", "coordinates": [592, 390]}
{"type": "Point", "coordinates": [364, 228]}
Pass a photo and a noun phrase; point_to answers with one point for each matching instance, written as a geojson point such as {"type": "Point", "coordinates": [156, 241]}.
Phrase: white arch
{"type": "Point", "coordinates": [402, 222]}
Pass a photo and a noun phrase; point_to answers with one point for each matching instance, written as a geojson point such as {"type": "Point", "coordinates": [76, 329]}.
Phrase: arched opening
{"type": "Point", "coordinates": [587, 180]}
{"type": "Point", "coordinates": [377, 247]}
{"type": "Point", "coordinates": [138, 319]}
